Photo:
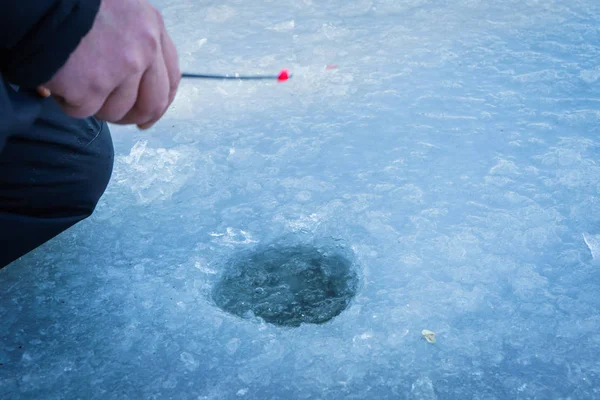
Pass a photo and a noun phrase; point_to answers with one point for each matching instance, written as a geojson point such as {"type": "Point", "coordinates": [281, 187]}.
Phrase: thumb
{"type": "Point", "coordinates": [43, 91]}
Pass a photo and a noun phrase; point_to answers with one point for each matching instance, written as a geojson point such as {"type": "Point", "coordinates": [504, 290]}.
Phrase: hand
{"type": "Point", "coordinates": [43, 91]}
{"type": "Point", "coordinates": [124, 71]}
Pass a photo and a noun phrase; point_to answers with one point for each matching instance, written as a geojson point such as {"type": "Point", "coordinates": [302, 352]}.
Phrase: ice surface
{"type": "Point", "coordinates": [593, 243]}
{"type": "Point", "coordinates": [455, 150]}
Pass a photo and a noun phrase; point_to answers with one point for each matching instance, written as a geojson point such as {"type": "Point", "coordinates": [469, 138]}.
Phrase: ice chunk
{"type": "Point", "coordinates": [189, 361]}
{"type": "Point", "coordinates": [428, 335]}
{"type": "Point", "coordinates": [454, 152]}
{"type": "Point", "coordinates": [593, 243]}
{"type": "Point", "coordinates": [422, 389]}
{"type": "Point", "coordinates": [155, 174]}
{"type": "Point", "coordinates": [590, 75]}
{"type": "Point", "coordinates": [504, 167]}
{"type": "Point", "coordinates": [284, 26]}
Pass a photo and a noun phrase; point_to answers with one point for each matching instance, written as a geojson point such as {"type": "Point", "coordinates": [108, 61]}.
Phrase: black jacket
{"type": "Point", "coordinates": [36, 39]}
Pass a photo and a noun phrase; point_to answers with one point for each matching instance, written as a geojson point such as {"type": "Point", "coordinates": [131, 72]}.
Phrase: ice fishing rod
{"type": "Point", "coordinates": [283, 76]}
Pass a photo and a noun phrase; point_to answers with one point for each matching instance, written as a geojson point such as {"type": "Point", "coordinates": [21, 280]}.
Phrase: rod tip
{"type": "Point", "coordinates": [284, 75]}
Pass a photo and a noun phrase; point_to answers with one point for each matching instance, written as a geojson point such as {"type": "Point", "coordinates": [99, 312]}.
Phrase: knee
{"type": "Point", "coordinates": [94, 175]}
{"type": "Point", "coordinates": [64, 178]}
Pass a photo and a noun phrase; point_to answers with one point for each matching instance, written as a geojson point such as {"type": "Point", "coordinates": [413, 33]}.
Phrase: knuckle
{"type": "Point", "coordinates": [75, 100]}
{"type": "Point", "coordinates": [151, 40]}
{"type": "Point", "coordinates": [81, 103]}
{"type": "Point", "coordinates": [99, 85]}
{"type": "Point", "coordinates": [132, 63]}
{"type": "Point", "coordinates": [76, 103]}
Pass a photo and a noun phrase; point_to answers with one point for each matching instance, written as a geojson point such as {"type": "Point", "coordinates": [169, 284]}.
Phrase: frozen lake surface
{"type": "Point", "coordinates": [447, 174]}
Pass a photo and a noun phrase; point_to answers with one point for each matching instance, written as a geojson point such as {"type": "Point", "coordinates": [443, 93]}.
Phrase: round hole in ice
{"type": "Point", "coordinates": [288, 285]}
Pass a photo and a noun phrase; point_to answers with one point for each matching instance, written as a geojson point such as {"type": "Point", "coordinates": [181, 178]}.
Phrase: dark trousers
{"type": "Point", "coordinates": [51, 177]}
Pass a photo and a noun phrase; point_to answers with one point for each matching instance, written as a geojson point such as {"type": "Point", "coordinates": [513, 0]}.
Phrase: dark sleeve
{"type": "Point", "coordinates": [37, 36]}
{"type": "Point", "coordinates": [18, 110]}
{"type": "Point", "coordinates": [36, 39]}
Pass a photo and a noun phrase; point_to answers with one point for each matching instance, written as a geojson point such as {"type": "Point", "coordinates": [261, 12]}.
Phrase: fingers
{"type": "Point", "coordinates": [152, 96]}
{"type": "Point", "coordinates": [169, 55]}
{"type": "Point", "coordinates": [157, 89]}
{"type": "Point", "coordinates": [172, 63]}
{"type": "Point", "coordinates": [142, 99]}
{"type": "Point", "coordinates": [120, 101]}
{"type": "Point", "coordinates": [79, 106]}
{"type": "Point", "coordinates": [124, 71]}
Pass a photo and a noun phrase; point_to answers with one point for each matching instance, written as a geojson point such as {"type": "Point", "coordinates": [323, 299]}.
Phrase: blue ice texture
{"type": "Point", "coordinates": [455, 151]}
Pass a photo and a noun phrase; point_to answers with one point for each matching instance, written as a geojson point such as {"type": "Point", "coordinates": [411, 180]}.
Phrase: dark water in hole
{"type": "Point", "coordinates": [288, 285]}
